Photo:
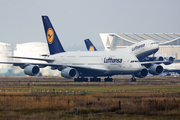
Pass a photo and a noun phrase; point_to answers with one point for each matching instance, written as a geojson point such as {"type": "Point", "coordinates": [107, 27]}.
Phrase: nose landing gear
{"type": "Point", "coordinates": [133, 79]}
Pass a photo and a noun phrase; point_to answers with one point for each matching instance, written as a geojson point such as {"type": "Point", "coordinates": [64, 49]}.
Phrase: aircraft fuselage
{"type": "Point", "coordinates": [100, 62]}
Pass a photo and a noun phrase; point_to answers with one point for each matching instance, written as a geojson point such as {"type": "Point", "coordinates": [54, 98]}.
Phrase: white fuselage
{"type": "Point", "coordinates": [142, 49]}
{"type": "Point", "coordinates": [102, 63]}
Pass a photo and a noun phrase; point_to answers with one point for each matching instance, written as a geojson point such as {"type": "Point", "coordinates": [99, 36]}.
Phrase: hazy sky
{"type": "Point", "coordinates": [76, 20]}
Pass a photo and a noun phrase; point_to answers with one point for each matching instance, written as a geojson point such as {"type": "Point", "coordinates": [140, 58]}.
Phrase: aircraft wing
{"type": "Point", "coordinates": [153, 62]}
{"type": "Point", "coordinates": [82, 70]}
{"type": "Point", "coordinates": [177, 61]}
{"type": "Point", "coordinates": [60, 66]}
{"type": "Point", "coordinates": [41, 64]}
{"type": "Point", "coordinates": [31, 58]}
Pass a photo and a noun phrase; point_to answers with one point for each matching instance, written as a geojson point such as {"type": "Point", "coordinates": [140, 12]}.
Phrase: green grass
{"type": "Point", "coordinates": [95, 87]}
{"type": "Point", "coordinates": [97, 104]}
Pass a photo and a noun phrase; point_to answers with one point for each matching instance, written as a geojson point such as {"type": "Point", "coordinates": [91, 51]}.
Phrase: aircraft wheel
{"type": "Point", "coordinates": [133, 79]}
{"type": "Point", "coordinates": [85, 79]}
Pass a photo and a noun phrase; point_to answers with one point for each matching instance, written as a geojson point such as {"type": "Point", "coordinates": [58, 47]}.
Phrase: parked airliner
{"type": "Point", "coordinates": [144, 51]}
{"type": "Point", "coordinates": [81, 64]}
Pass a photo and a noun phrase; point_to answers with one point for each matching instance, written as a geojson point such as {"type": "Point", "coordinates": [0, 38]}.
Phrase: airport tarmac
{"type": "Point", "coordinates": [152, 79]}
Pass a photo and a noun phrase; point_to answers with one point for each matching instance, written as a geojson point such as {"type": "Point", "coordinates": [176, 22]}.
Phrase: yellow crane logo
{"type": "Point", "coordinates": [91, 48]}
{"type": "Point", "coordinates": [50, 35]}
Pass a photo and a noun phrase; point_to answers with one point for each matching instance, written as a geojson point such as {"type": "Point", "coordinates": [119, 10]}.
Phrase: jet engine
{"type": "Point", "coordinates": [155, 69]}
{"type": "Point", "coordinates": [31, 70]}
{"type": "Point", "coordinates": [69, 72]}
{"type": "Point", "coordinates": [170, 60]}
{"type": "Point", "coordinates": [159, 58]}
{"type": "Point", "coordinates": [143, 73]}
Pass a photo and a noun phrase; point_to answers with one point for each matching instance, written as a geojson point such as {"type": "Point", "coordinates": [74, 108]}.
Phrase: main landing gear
{"type": "Point", "coordinates": [108, 79]}
{"type": "Point", "coordinates": [95, 79]}
{"type": "Point", "coordinates": [99, 79]}
{"type": "Point", "coordinates": [81, 79]}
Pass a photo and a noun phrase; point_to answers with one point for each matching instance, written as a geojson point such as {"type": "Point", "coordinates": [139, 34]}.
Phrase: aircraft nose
{"type": "Point", "coordinates": [156, 47]}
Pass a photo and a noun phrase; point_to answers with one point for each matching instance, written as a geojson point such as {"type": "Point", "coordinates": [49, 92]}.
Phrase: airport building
{"type": "Point", "coordinates": [31, 49]}
{"type": "Point", "coordinates": [5, 50]}
{"type": "Point", "coordinates": [36, 50]}
{"type": "Point", "coordinates": [169, 43]}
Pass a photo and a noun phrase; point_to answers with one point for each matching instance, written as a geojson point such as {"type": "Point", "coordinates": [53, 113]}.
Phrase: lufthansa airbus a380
{"type": "Point", "coordinates": [83, 64]}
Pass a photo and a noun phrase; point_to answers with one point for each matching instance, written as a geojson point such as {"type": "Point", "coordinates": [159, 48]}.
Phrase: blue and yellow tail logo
{"type": "Point", "coordinates": [50, 35]}
{"type": "Point", "coordinates": [91, 48]}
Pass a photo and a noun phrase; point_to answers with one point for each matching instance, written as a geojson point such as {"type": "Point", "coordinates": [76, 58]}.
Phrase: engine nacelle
{"type": "Point", "coordinates": [159, 58]}
{"type": "Point", "coordinates": [31, 70]}
{"type": "Point", "coordinates": [69, 72]}
{"type": "Point", "coordinates": [155, 69]}
{"type": "Point", "coordinates": [143, 73]}
{"type": "Point", "coordinates": [170, 60]}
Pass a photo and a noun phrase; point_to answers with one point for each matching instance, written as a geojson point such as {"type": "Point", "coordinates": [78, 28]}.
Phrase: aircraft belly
{"type": "Point", "coordinates": [118, 72]}
{"type": "Point", "coordinates": [119, 69]}
{"type": "Point", "coordinates": [145, 54]}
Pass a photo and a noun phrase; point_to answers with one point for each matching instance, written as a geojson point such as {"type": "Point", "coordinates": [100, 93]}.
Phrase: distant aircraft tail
{"type": "Point", "coordinates": [89, 45]}
{"type": "Point", "coordinates": [52, 38]}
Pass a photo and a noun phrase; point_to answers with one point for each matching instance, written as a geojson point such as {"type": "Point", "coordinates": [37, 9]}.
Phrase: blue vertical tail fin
{"type": "Point", "coordinates": [52, 38]}
{"type": "Point", "coordinates": [89, 45]}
